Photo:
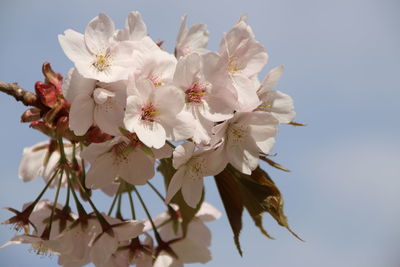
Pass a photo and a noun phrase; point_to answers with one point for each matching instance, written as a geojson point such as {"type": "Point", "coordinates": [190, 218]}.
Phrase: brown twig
{"type": "Point", "coordinates": [20, 94]}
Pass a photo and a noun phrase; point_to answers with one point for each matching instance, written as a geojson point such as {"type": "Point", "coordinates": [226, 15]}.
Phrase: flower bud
{"type": "Point", "coordinates": [51, 77]}
{"type": "Point", "coordinates": [32, 114]}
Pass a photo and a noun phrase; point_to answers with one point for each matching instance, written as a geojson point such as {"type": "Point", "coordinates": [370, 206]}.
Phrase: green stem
{"type": "Point", "coordinates": [104, 224]}
{"type": "Point", "coordinates": [113, 204]}
{"type": "Point", "coordinates": [79, 206]}
{"type": "Point", "coordinates": [132, 206]}
{"type": "Point", "coordinates": [156, 234]}
{"type": "Point", "coordinates": [63, 158]}
{"type": "Point", "coordinates": [68, 193]}
{"type": "Point", "coordinates": [156, 191]}
{"type": "Point", "coordinates": [118, 214]}
{"type": "Point", "coordinates": [32, 206]}
{"type": "Point", "coordinates": [55, 201]}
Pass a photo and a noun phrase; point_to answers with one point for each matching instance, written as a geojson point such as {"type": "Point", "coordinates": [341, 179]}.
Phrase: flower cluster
{"type": "Point", "coordinates": [135, 91]}
{"type": "Point", "coordinates": [127, 106]}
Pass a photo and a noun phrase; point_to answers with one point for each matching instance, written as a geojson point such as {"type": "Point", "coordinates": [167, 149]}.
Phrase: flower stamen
{"type": "Point", "coordinates": [149, 113]}
{"type": "Point", "coordinates": [195, 93]}
{"type": "Point", "coordinates": [102, 62]}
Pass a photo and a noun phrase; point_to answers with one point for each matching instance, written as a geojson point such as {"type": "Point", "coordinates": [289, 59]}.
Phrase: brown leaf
{"type": "Point", "coordinates": [233, 204]}
{"type": "Point", "coordinates": [257, 193]}
{"type": "Point", "coordinates": [293, 123]}
{"type": "Point", "coordinates": [274, 164]}
{"type": "Point", "coordinates": [263, 196]}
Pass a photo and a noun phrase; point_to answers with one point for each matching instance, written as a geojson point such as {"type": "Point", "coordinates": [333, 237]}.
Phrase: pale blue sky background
{"type": "Point", "coordinates": [342, 64]}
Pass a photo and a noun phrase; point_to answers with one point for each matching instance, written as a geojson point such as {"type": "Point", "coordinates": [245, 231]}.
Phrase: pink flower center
{"type": "Point", "coordinates": [149, 112]}
{"type": "Point", "coordinates": [156, 81]}
{"type": "Point", "coordinates": [122, 150]}
{"type": "Point", "coordinates": [195, 93]}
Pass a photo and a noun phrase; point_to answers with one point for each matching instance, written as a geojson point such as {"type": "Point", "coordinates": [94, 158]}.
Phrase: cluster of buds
{"type": "Point", "coordinates": [127, 106]}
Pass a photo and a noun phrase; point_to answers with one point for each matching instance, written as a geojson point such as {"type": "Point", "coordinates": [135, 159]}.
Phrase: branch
{"type": "Point", "coordinates": [20, 94]}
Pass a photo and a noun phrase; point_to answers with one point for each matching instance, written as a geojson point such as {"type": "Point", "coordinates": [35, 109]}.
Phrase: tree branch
{"type": "Point", "coordinates": [20, 94]}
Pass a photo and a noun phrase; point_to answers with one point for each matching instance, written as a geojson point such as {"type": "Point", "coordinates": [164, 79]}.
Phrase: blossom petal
{"type": "Point", "coordinates": [272, 78]}
{"type": "Point", "coordinates": [186, 70]}
{"type": "Point", "coordinates": [74, 47]}
{"type": "Point", "coordinates": [75, 84]}
{"type": "Point", "coordinates": [175, 184]}
{"type": "Point", "coordinates": [136, 27]}
{"type": "Point", "coordinates": [242, 158]}
{"type": "Point", "coordinates": [163, 152]}
{"type": "Point", "coordinates": [152, 134]}
{"type": "Point", "coordinates": [94, 150]}
{"type": "Point", "coordinates": [282, 107]}
{"type": "Point", "coordinates": [138, 169]}
{"type": "Point", "coordinates": [109, 116]}
{"type": "Point", "coordinates": [169, 100]}
{"type": "Point", "coordinates": [31, 165]}
{"type": "Point", "coordinates": [128, 229]}
{"type": "Point", "coordinates": [165, 260]}
{"type": "Point", "coordinates": [192, 191]}
{"type": "Point", "coordinates": [81, 114]}
{"type": "Point", "coordinates": [190, 252]}
{"type": "Point", "coordinates": [208, 212]}
{"type": "Point", "coordinates": [98, 33]}
{"type": "Point", "coordinates": [102, 172]}
{"type": "Point", "coordinates": [179, 127]}
{"type": "Point", "coordinates": [132, 112]}
{"type": "Point", "coordinates": [182, 154]}
{"type": "Point", "coordinates": [103, 248]}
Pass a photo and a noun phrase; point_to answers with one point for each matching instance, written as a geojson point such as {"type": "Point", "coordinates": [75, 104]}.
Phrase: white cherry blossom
{"type": "Point", "coordinates": [241, 58]}
{"type": "Point", "coordinates": [195, 246]}
{"type": "Point", "coordinates": [96, 54]}
{"type": "Point", "coordinates": [42, 160]}
{"type": "Point", "coordinates": [206, 98]}
{"type": "Point", "coordinates": [152, 113]}
{"type": "Point", "coordinates": [94, 103]}
{"type": "Point", "coordinates": [105, 244]}
{"type": "Point", "coordinates": [135, 28]}
{"type": "Point", "coordinates": [277, 103]}
{"type": "Point", "coordinates": [39, 218]}
{"type": "Point", "coordinates": [244, 137]}
{"type": "Point", "coordinates": [120, 157]}
{"type": "Point", "coordinates": [192, 166]}
{"type": "Point", "coordinates": [191, 40]}
{"type": "Point", "coordinates": [155, 65]}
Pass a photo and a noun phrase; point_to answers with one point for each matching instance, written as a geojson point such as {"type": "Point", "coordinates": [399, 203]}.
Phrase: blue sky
{"type": "Point", "coordinates": [342, 65]}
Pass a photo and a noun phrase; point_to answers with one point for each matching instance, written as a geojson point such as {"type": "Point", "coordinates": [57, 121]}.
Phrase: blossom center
{"type": "Point", "coordinates": [122, 150]}
{"type": "Point", "coordinates": [156, 81]}
{"type": "Point", "coordinates": [237, 133]}
{"type": "Point", "coordinates": [102, 62]}
{"type": "Point", "coordinates": [233, 64]}
{"type": "Point", "coordinates": [149, 112]}
{"type": "Point", "coordinates": [195, 93]}
{"type": "Point", "coordinates": [196, 168]}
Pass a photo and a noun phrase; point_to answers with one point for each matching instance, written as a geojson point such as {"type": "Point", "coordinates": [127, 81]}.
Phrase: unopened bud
{"type": "Point", "coordinates": [32, 114]}
{"type": "Point", "coordinates": [52, 77]}
{"type": "Point", "coordinates": [47, 93]}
